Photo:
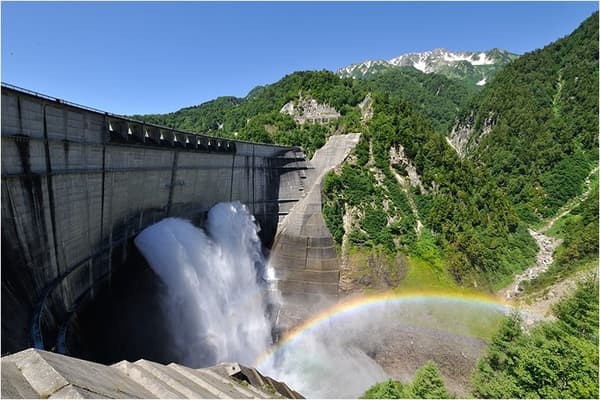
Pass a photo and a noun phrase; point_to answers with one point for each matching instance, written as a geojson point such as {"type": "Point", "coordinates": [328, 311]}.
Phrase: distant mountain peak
{"type": "Point", "coordinates": [432, 61]}
{"type": "Point", "coordinates": [476, 67]}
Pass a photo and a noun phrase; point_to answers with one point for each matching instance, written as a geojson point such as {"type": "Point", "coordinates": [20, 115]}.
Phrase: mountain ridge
{"type": "Point", "coordinates": [475, 67]}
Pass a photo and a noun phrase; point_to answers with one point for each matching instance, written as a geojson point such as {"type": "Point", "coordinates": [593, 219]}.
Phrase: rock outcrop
{"type": "Point", "coordinates": [399, 158]}
{"type": "Point", "coordinates": [464, 138]}
{"type": "Point", "coordinates": [366, 108]}
{"type": "Point", "coordinates": [306, 109]}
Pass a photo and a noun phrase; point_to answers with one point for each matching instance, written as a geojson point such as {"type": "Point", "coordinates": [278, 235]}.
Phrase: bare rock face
{"type": "Point", "coordinates": [399, 158]}
{"type": "Point", "coordinates": [463, 136]}
{"type": "Point", "coordinates": [306, 109]}
{"type": "Point", "coordinates": [459, 137]}
{"type": "Point", "coordinates": [366, 108]}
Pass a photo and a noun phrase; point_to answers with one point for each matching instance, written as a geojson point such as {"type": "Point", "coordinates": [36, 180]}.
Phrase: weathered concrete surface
{"type": "Point", "coordinates": [304, 254]}
{"type": "Point", "coordinates": [40, 374]}
{"type": "Point", "coordinates": [79, 184]}
{"type": "Point", "coordinates": [13, 383]}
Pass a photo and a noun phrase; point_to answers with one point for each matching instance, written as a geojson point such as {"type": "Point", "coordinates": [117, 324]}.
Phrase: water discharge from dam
{"type": "Point", "coordinates": [217, 283]}
{"type": "Point", "coordinates": [221, 297]}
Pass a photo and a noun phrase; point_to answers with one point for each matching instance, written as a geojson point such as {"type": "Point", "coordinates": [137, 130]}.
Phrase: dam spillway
{"type": "Point", "coordinates": [78, 184]}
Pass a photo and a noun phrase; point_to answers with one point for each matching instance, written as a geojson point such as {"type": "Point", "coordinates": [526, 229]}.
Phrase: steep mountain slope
{"type": "Point", "coordinates": [462, 225]}
{"type": "Point", "coordinates": [437, 97]}
{"type": "Point", "coordinates": [434, 95]}
{"type": "Point", "coordinates": [535, 126]}
{"type": "Point", "coordinates": [231, 114]}
{"type": "Point", "coordinates": [475, 68]}
{"type": "Point", "coordinates": [405, 189]}
{"type": "Point", "coordinates": [410, 212]}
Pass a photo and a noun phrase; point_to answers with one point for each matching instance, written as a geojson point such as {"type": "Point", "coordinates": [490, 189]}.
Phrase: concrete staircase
{"type": "Point", "coordinates": [35, 373]}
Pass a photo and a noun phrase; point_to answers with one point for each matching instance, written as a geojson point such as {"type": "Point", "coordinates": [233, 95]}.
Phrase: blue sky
{"type": "Point", "coordinates": [158, 57]}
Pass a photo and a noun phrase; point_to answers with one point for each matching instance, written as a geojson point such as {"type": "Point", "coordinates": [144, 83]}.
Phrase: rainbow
{"type": "Point", "coordinates": [362, 303]}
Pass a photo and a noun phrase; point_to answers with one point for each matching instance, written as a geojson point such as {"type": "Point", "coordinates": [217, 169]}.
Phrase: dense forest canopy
{"type": "Point", "coordinates": [433, 95]}
{"type": "Point", "coordinates": [543, 109]}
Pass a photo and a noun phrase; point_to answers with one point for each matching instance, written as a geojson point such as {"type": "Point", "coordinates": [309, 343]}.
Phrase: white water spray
{"type": "Point", "coordinates": [219, 292]}
{"type": "Point", "coordinates": [217, 285]}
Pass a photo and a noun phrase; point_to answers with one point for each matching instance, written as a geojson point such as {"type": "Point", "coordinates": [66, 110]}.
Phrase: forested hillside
{"type": "Point", "coordinates": [207, 117]}
{"type": "Point", "coordinates": [470, 229]}
{"type": "Point", "coordinates": [442, 188]}
{"type": "Point", "coordinates": [537, 123]}
{"type": "Point", "coordinates": [579, 232]}
{"type": "Point", "coordinates": [433, 95]}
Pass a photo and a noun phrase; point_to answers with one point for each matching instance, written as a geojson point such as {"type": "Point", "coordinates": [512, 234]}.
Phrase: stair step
{"type": "Point", "coordinates": [34, 373]}
{"type": "Point", "coordinates": [44, 379]}
{"type": "Point", "coordinates": [220, 374]}
{"type": "Point", "coordinates": [51, 374]}
{"type": "Point", "coordinates": [214, 390]}
{"type": "Point", "coordinates": [14, 384]}
{"type": "Point", "coordinates": [74, 392]}
{"type": "Point", "coordinates": [178, 382]}
{"type": "Point", "coordinates": [148, 380]}
{"type": "Point", "coordinates": [219, 386]}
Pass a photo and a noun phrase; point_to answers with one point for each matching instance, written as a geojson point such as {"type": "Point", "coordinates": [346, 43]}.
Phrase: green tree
{"type": "Point", "coordinates": [386, 390]}
{"type": "Point", "coordinates": [428, 383]}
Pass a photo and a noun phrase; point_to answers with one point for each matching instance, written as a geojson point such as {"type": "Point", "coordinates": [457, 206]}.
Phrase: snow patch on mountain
{"type": "Point", "coordinates": [421, 66]}
{"type": "Point", "coordinates": [436, 60]}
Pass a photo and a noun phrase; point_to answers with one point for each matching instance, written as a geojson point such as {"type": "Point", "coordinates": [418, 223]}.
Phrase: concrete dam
{"type": "Point", "coordinates": [78, 184]}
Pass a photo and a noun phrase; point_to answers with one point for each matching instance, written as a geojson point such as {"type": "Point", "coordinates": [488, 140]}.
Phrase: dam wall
{"type": "Point", "coordinates": [78, 184]}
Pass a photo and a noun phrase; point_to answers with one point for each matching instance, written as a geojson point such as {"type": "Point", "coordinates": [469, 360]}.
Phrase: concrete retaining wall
{"type": "Point", "coordinates": [78, 184]}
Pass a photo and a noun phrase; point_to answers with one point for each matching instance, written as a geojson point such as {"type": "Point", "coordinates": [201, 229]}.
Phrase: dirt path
{"type": "Point", "coordinates": [573, 203]}
{"type": "Point", "coordinates": [541, 302]}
